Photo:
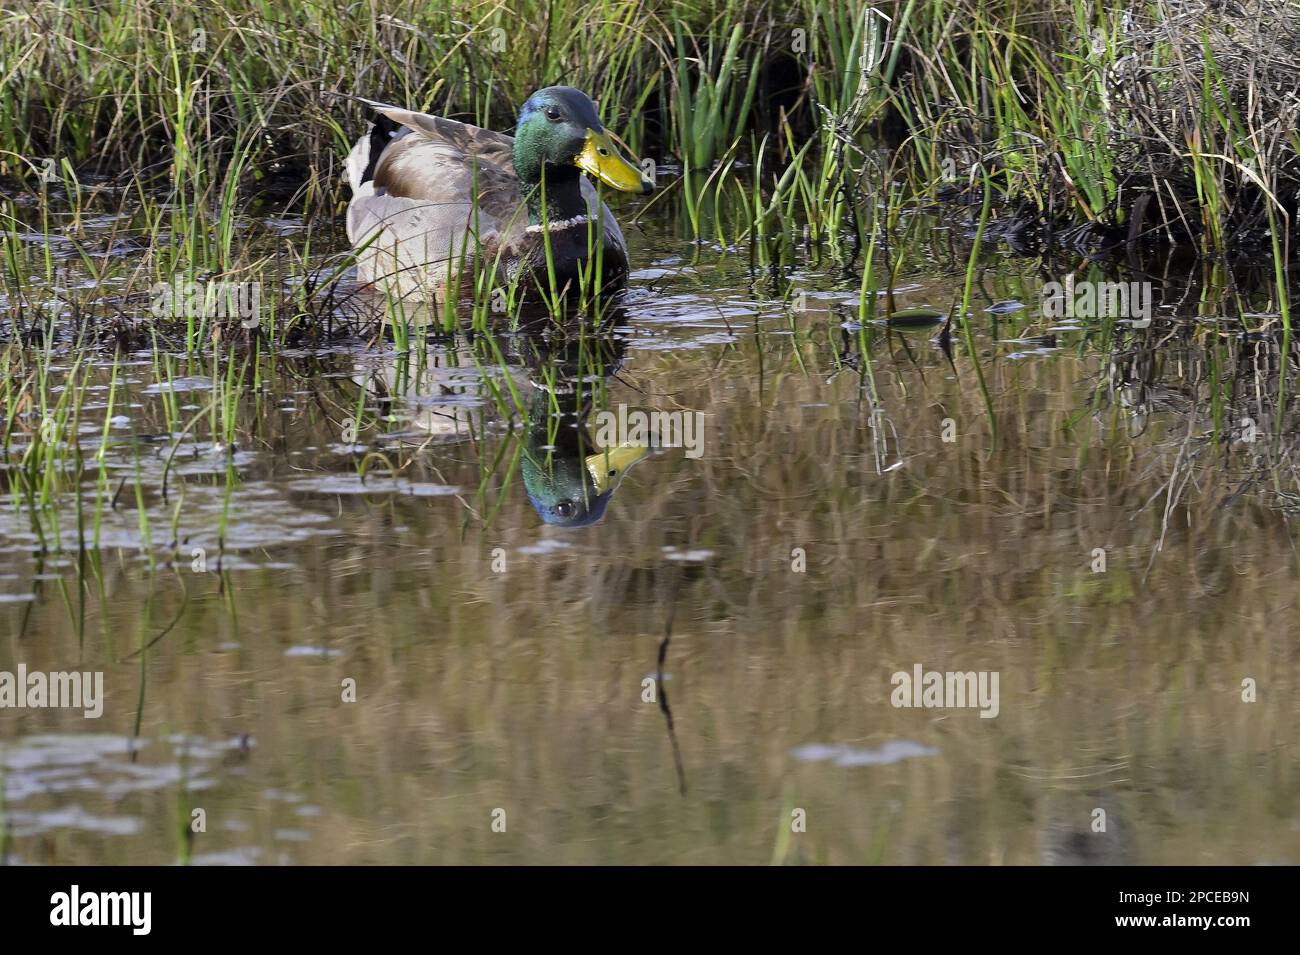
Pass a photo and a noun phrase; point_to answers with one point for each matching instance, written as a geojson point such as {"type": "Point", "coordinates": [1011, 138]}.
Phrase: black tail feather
{"type": "Point", "coordinates": [382, 132]}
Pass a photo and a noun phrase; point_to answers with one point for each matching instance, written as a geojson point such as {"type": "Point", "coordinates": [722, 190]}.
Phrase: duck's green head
{"type": "Point", "coordinates": [558, 131]}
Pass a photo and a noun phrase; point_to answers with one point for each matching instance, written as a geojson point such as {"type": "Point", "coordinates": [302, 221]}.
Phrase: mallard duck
{"type": "Point", "coordinates": [430, 194]}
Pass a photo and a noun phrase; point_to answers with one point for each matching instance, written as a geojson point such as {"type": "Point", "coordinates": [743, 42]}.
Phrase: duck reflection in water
{"type": "Point", "coordinates": [568, 477]}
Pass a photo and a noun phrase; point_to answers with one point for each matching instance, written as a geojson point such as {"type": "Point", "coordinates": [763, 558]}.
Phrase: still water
{"type": "Point", "coordinates": [415, 667]}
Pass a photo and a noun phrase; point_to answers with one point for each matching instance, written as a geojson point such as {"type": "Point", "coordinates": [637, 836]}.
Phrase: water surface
{"type": "Point", "coordinates": [860, 506]}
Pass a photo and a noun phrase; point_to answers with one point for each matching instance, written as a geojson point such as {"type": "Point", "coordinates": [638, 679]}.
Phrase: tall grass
{"type": "Point", "coordinates": [781, 131]}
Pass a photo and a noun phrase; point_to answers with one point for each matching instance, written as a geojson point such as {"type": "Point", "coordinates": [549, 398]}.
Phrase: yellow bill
{"type": "Point", "coordinates": [603, 160]}
{"type": "Point", "coordinates": [608, 467]}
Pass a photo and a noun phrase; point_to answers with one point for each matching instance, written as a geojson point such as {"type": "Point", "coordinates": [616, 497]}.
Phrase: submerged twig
{"type": "Point", "coordinates": [663, 694]}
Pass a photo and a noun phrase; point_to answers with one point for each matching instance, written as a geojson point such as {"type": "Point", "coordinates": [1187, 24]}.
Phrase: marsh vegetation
{"type": "Point", "coordinates": [235, 479]}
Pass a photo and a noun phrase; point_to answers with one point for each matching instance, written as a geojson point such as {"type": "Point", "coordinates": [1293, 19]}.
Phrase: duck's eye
{"type": "Point", "coordinates": [552, 114]}
{"type": "Point", "coordinates": [566, 508]}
